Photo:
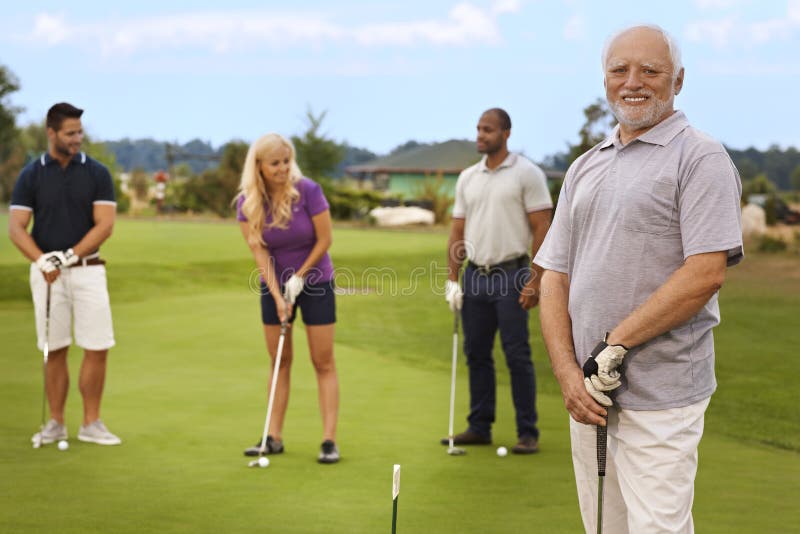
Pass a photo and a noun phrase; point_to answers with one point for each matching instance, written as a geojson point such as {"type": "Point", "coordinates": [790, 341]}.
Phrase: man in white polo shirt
{"type": "Point", "coordinates": [501, 214]}
{"type": "Point", "coordinates": [70, 198]}
{"type": "Point", "coordinates": [647, 222]}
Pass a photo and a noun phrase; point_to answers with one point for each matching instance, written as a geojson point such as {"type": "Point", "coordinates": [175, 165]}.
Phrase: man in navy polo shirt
{"type": "Point", "coordinates": [71, 199]}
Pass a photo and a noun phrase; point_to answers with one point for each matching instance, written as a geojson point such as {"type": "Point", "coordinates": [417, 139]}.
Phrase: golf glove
{"type": "Point", "coordinates": [293, 288]}
{"type": "Point", "coordinates": [453, 295]}
{"type": "Point", "coordinates": [600, 371]}
{"type": "Point", "coordinates": [70, 258]}
{"type": "Point", "coordinates": [51, 261]}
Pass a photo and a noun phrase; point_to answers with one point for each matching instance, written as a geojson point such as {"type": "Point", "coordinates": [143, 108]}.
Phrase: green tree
{"type": "Point", "coordinates": [102, 153]}
{"type": "Point", "coordinates": [214, 189]}
{"type": "Point", "coordinates": [11, 160]}
{"type": "Point", "coordinates": [317, 155]}
{"type": "Point", "coordinates": [794, 180]}
{"type": "Point", "coordinates": [599, 121]}
{"type": "Point", "coordinates": [747, 169]}
{"type": "Point", "coordinates": [760, 185]}
{"type": "Point", "coordinates": [8, 113]}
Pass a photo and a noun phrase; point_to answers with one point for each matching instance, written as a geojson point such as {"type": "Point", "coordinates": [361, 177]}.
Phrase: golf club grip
{"type": "Point", "coordinates": [602, 441]}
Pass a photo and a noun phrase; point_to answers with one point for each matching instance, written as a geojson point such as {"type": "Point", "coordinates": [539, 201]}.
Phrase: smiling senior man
{"type": "Point", "coordinates": [646, 225]}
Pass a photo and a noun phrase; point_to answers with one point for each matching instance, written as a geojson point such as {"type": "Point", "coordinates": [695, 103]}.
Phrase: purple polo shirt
{"type": "Point", "coordinates": [290, 247]}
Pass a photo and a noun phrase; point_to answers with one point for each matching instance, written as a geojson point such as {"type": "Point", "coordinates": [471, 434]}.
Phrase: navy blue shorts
{"type": "Point", "coordinates": [317, 303]}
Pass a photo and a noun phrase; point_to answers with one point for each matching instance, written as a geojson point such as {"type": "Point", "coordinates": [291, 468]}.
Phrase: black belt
{"type": "Point", "coordinates": [89, 261]}
{"type": "Point", "coordinates": [514, 263]}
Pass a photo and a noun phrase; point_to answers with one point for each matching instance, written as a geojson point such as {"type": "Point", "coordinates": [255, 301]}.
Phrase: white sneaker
{"type": "Point", "coordinates": [97, 432]}
{"type": "Point", "coordinates": [52, 432]}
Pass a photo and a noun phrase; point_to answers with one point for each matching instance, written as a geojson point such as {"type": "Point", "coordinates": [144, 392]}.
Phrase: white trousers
{"type": "Point", "coordinates": [650, 470]}
{"type": "Point", "coordinates": [80, 296]}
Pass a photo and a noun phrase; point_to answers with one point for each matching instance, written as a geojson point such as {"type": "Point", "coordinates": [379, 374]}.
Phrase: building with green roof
{"type": "Point", "coordinates": [403, 174]}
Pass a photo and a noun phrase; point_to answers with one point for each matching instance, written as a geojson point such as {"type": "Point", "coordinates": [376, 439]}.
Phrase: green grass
{"type": "Point", "coordinates": [186, 391]}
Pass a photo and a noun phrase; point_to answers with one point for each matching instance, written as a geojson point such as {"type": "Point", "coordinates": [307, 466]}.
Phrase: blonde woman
{"type": "Point", "coordinates": [286, 222]}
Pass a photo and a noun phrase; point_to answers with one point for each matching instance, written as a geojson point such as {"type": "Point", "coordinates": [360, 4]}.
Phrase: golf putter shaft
{"type": "Point", "coordinates": [284, 326]}
{"type": "Point", "coordinates": [453, 378]}
{"type": "Point", "coordinates": [45, 357]}
{"type": "Point", "coordinates": [602, 447]}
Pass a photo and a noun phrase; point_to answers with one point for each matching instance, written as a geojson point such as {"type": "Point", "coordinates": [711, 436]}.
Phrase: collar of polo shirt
{"type": "Point", "coordinates": [510, 160]}
{"type": "Point", "coordinates": [47, 159]}
{"type": "Point", "coordinates": [660, 134]}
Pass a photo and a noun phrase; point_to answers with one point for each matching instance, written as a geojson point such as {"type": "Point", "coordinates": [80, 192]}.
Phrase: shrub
{"type": "Point", "coordinates": [771, 244]}
{"type": "Point", "coordinates": [123, 200]}
{"type": "Point", "coordinates": [770, 210]}
{"type": "Point", "coordinates": [433, 191]}
{"type": "Point", "coordinates": [349, 202]}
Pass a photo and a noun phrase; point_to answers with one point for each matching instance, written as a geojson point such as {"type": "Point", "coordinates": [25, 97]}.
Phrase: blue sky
{"type": "Point", "coordinates": [387, 72]}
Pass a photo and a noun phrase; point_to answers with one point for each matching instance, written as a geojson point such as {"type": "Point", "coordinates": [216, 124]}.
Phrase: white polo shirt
{"type": "Point", "coordinates": [495, 204]}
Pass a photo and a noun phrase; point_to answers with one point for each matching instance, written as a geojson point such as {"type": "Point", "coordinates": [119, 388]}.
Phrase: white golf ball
{"type": "Point", "coordinates": [501, 451]}
{"type": "Point", "coordinates": [263, 461]}
{"type": "Point", "coordinates": [63, 445]}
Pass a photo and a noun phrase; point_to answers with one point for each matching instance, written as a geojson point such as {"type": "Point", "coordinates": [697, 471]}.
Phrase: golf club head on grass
{"type": "Point", "coordinates": [37, 442]}
{"type": "Point", "coordinates": [455, 451]}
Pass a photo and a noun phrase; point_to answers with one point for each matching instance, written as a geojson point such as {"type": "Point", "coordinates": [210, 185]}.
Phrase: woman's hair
{"type": "Point", "coordinates": [257, 202]}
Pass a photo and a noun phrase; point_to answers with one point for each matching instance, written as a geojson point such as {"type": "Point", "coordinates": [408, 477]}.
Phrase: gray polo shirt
{"type": "Point", "coordinates": [495, 203]}
{"type": "Point", "coordinates": [627, 218]}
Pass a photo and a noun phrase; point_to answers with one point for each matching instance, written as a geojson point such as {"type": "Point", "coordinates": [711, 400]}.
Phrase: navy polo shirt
{"type": "Point", "coordinates": [62, 200]}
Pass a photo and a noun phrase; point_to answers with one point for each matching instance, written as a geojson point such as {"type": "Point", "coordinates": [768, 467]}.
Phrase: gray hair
{"type": "Point", "coordinates": [672, 44]}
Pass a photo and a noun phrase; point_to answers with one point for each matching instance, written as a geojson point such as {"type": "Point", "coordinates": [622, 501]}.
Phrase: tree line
{"type": "Point", "coordinates": [205, 178]}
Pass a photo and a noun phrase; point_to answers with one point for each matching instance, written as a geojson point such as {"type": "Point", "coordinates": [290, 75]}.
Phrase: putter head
{"type": "Point", "coordinates": [455, 451]}
{"type": "Point", "coordinates": [253, 463]}
{"type": "Point", "coordinates": [37, 441]}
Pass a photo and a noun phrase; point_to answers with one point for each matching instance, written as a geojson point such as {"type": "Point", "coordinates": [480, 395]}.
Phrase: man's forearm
{"type": "Point", "coordinates": [456, 252]}
{"type": "Point", "coordinates": [18, 233]}
{"type": "Point", "coordinates": [675, 302]}
{"type": "Point", "coordinates": [104, 216]}
{"type": "Point", "coordinates": [92, 240]}
{"type": "Point", "coordinates": [25, 243]}
{"type": "Point", "coordinates": [556, 323]}
{"type": "Point", "coordinates": [540, 223]}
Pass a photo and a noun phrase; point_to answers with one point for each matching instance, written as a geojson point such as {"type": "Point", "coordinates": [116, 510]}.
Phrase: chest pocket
{"type": "Point", "coordinates": [649, 207]}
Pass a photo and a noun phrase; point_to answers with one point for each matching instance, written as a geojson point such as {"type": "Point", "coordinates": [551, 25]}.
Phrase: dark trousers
{"type": "Point", "coordinates": [491, 303]}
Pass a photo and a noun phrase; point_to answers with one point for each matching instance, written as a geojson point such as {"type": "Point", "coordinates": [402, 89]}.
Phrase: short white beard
{"type": "Point", "coordinates": [651, 115]}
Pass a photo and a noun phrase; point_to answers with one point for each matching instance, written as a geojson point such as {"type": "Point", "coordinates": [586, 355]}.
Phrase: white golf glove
{"type": "Point", "coordinates": [293, 288]}
{"type": "Point", "coordinates": [453, 295]}
{"type": "Point", "coordinates": [51, 261]}
{"type": "Point", "coordinates": [600, 371]}
{"type": "Point", "coordinates": [70, 258]}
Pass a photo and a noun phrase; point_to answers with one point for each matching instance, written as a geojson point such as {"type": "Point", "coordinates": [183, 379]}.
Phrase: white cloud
{"type": "Point", "coordinates": [575, 28]}
{"type": "Point", "coordinates": [749, 68]}
{"type": "Point", "coordinates": [50, 29]}
{"type": "Point", "coordinates": [723, 32]}
{"type": "Point", "coordinates": [506, 6]}
{"type": "Point", "coordinates": [768, 30]}
{"type": "Point", "coordinates": [465, 24]}
{"type": "Point", "coordinates": [716, 4]}
{"type": "Point", "coordinates": [717, 32]}
{"type": "Point", "coordinates": [793, 11]}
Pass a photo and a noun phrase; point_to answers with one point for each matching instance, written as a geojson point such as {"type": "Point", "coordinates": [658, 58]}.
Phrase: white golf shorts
{"type": "Point", "coordinates": [650, 469]}
{"type": "Point", "coordinates": [79, 296]}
